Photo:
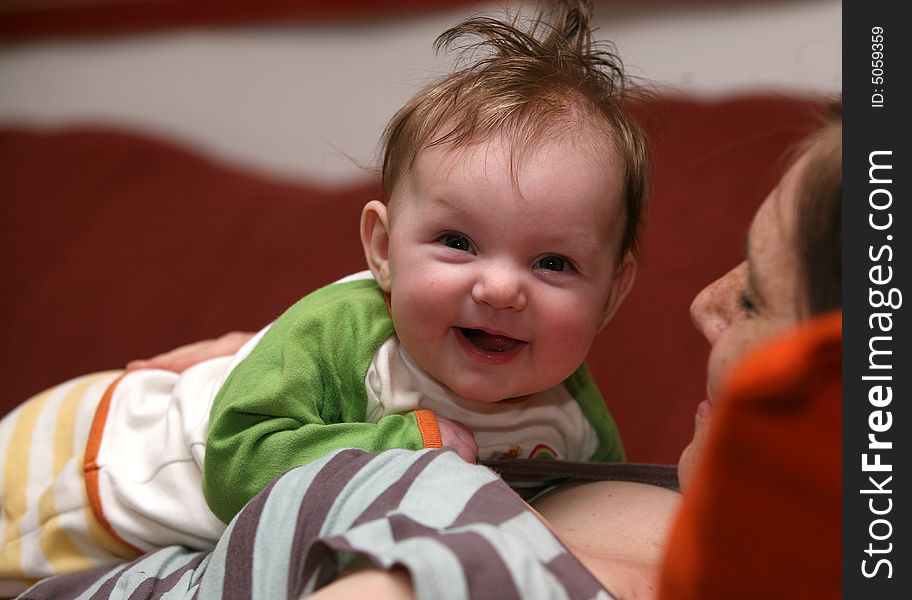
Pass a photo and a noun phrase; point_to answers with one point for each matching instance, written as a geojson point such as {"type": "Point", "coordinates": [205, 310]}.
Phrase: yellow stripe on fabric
{"type": "Point", "coordinates": [66, 418]}
{"type": "Point", "coordinates": [58, 548]}
{"type": "Point", "coordinates": [15, 484]}
{"type": "Point", "coordinates": [56, 545]}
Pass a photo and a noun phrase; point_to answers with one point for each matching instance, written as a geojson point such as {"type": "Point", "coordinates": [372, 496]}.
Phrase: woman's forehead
{"type": "Point", "coordinates": [772, 254]}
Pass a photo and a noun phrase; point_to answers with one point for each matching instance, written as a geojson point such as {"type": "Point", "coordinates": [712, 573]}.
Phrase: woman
{"type": "Point", "coordinates": [616, 530]}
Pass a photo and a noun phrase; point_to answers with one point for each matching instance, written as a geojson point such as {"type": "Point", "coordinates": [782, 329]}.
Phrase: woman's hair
{"type": "Point", "coordinates": [527, 80]}
{"type": "Point", "coordinates": [819, 219]}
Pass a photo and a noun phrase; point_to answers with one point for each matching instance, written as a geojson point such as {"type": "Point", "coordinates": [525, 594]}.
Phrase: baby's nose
{"type": "Point", "coordinates": [500, 288]}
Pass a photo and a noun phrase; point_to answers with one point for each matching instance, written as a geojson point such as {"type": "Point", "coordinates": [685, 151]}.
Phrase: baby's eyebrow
{"type": "Point", "coordinates": [441, 201]}
{"type": "Point", "coordinates": [450, 212]}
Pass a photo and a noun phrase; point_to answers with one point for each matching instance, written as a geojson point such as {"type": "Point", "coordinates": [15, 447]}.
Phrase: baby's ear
{"type": "Point", "coordinates": [624, 277]}
{"type": "Point", "coordinates": [375, 240]}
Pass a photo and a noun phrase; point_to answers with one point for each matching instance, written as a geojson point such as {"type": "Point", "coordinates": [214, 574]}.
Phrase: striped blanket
{"type": "Point", "coordinates": [457, 528]}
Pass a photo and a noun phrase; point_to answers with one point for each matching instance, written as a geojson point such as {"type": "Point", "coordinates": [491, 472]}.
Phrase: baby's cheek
{"type": "Point", "coordinates": [570, 342]}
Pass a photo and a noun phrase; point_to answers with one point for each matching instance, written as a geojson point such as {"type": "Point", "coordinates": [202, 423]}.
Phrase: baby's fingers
{"type": "Point", "coordinates": [182, 358]}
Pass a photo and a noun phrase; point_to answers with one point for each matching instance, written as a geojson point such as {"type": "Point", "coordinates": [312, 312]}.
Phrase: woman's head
{"type": "Point", "coordinates": [819, 220]}
{"type": "Point", "coordinates": [792, 270]}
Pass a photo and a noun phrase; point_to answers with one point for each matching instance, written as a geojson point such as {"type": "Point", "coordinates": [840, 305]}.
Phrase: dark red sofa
{"type": "Point", "coordinates": [115, 245]}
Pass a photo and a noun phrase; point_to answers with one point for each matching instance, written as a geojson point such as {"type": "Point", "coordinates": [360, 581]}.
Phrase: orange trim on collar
{"type": "Point", "coordinates": [430, 430]}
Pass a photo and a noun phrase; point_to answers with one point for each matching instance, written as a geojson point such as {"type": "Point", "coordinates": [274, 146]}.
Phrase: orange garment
{"type": "Point", "coordinates": [762, 518]}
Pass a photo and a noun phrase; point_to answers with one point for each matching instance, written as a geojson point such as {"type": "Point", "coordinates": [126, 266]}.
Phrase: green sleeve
{"type": "Point", "coordinates": [300, 394]}
{"type": "Point", "coordinates": [582, 387]}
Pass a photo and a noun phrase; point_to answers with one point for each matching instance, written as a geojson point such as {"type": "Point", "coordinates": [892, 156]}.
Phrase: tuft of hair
{"type": "Point", "coordinates": [527, 79]}
{"type": "Point", "coordinates": [819, 217]}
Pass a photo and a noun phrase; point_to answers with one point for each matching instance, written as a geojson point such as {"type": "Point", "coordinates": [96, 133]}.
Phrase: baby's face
{"type": "Point", "coordinates": [499, 285]}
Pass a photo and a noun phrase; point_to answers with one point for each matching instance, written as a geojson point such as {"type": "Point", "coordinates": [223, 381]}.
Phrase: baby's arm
{"type": "Point", "coordinates": [246, 449]}
{"type": "Point", "coordinates": [301, 394]}
{"type": "Point", "coordinates": [240, 464]}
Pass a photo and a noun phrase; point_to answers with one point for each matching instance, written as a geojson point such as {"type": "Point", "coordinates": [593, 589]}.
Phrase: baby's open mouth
{"type": "Point", "coordinates": [489, 342]}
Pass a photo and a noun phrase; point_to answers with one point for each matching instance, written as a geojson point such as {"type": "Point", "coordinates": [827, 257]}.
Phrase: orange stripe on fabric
{"type": "Point", "coordinates": [101, 536]}
{"type": "Point", "coordinates": [90, 464]}
{"type": "Point", "coordinates": [56, 544]}
{"type": "Point", "coordinates": [430, 431]}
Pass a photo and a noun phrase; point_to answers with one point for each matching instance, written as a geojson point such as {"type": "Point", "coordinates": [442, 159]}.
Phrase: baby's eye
{"type": "Point", "coordinates": [552, 263]}
{"type": "Point", "coordinates": [457, 241]}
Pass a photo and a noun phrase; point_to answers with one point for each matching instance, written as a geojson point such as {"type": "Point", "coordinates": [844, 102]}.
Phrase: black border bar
{"type": "Point", "coordinates": [877, 367]}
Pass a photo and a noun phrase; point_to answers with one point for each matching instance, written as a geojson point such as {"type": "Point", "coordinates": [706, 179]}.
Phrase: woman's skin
{"type": "Point", "coordinates": [758, 299]}
{"type": "Point", "coordinates": [367, 582]}
{"type": "Point", "coordinates": [618, 529]}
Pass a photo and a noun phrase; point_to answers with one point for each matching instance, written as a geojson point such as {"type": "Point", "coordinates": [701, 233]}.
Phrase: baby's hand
{"type": "Point", "coordinates": [459, 438]}
{"type": "Point", "coordinates": [181, 359]}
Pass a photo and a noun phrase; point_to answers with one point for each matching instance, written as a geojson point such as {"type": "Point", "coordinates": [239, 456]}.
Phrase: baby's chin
{"type": "Point", "coordinates": [486, 394]}
{"type": "Point", "coordinates": [487, 397]}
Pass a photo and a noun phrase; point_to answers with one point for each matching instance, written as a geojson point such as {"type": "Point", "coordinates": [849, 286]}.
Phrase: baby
{"type": "Point", "coordinates": [514, 188]}
{"type": "Point", "coordinates": [514, 192]}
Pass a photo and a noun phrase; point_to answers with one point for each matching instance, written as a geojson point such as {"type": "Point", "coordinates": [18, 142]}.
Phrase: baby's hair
{"type": "Point", "coordinates": [526, 80]}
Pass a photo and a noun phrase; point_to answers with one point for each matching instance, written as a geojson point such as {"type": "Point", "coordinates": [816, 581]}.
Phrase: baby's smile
{"type": "Point", "coordinates": [499, 273]}
{"type": "Point", "coordinates": [492, 347]}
